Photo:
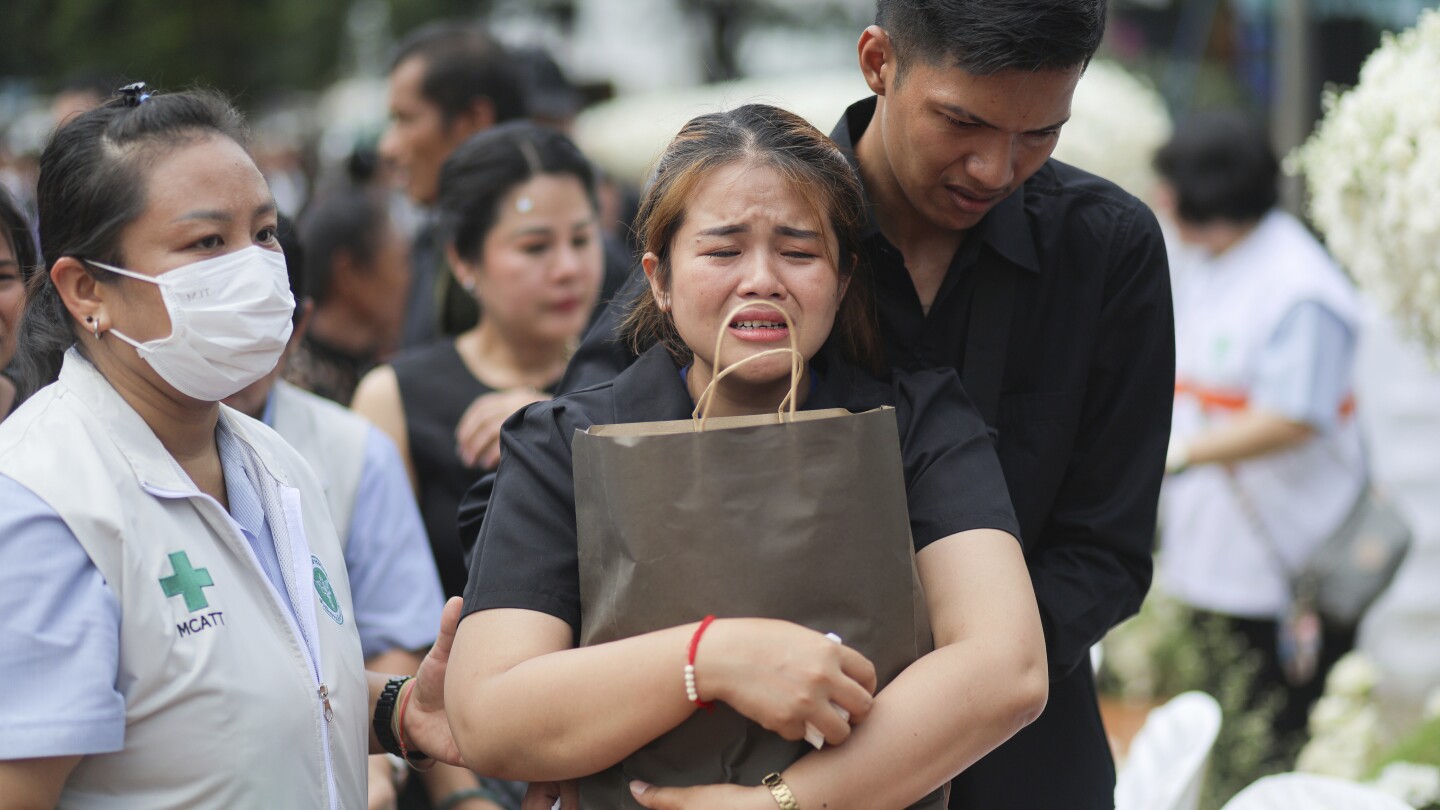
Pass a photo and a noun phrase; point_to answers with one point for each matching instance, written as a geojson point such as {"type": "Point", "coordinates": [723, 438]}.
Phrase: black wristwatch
{"type": "Point", "coordinates": [384, 710]}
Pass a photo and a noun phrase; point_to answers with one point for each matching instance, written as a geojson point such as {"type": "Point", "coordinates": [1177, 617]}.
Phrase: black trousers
{"type": "Point", "coordinates": [1060, 761]}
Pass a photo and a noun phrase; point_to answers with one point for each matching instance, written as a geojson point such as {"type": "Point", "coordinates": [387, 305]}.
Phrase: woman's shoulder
{"type": "Point", "coordinates": [931, 387]}
{"type": "Point", "coordinates": [649, 390]}
{"type": "Point", "coordinates": [577, 410]}
{"type": "Point", "coordinates": [430, 354]}
{"type": "Point", "coordinates": [38, 547]}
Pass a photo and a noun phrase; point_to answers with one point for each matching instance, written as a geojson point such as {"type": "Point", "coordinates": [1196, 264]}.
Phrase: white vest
{"type": "Point", "coordinates": [331, 439]}
{"type": "Point", "coordinates": [222, 691]}
{"type": "Point", "coordinates": [1226, 310]}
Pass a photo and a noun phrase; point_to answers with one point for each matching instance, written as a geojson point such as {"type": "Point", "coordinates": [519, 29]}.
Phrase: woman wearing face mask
{"type": "Point", "coordinates": [749, 206]}
{"type": "Point", "coordinates": [17, 256]}
{"type": "Point", "coordinates": [178, 628]}
{"type": "Point", "coordinates": [517, 218]}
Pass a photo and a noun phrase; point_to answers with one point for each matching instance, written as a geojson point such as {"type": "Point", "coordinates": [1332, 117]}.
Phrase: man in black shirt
{"type": "Point", "coordinates": [1048, 290]}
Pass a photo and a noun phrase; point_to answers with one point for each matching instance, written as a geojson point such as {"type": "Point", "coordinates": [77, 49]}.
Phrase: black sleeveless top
{"type": "Point", "coordinates": [435, 389]}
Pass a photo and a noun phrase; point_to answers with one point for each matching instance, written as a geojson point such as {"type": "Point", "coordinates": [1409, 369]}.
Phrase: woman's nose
{"type": "Point", "coordinates": [571, 261]}
{"type": "Point", "coordinates": [761, 278]}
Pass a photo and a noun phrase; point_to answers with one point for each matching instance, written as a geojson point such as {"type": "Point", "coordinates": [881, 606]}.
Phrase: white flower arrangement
{"type": "Point", "coordinates": [1345, 727]}
{"type": "Point", "coordinates": [1117, 123]}
{"type": "Point", "coordinates": [1348, 740]}
{"type": "Point", "coordinates": [1352, 676]}
{"type": "Point", "coordinates": [1373, 170]}
{"type": "Point", "coordinates": [1416, 785]}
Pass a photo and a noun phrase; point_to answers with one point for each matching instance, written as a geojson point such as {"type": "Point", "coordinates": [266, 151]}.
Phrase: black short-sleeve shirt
{"type": "Point", "coordinates": [526, 555]}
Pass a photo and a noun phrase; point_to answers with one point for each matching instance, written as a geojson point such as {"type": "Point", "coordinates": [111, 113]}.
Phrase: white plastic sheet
{"type": "Point", "coordinates": [1166, 764]}
{"type": "Point", "coordinates": [1305, 791]}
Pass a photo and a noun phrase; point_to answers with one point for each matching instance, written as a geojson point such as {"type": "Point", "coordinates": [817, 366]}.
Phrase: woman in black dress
{"type": "Point", "coordinates": [17, 257]}
{"type": "Point", "coordinates": [518, 220]}
{"type": "Point", "coordinates": [747, 206]}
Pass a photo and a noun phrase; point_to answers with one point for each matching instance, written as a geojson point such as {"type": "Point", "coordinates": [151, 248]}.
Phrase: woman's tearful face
{"type": "Point", "coordinates": [751, 235]}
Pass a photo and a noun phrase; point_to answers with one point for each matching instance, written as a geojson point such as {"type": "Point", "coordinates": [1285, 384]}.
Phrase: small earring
{"type": "Point", "coordinates": [95, 324]}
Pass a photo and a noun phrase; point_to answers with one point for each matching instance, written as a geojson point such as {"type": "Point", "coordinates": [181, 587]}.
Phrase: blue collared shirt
{"type": "Point", "coordinates": [1305, 370]}
{"type": "Point", "coordinates": [393, 583]}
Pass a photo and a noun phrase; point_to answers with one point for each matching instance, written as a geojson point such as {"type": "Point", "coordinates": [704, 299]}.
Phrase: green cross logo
{"type": "Point", "coordinates": [188, 582]}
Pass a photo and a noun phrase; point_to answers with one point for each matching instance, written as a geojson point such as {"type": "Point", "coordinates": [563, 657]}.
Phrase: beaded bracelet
{"type": "Point", "coordinates": [691, 692]}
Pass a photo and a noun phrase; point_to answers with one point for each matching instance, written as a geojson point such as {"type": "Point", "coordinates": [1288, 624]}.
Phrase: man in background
{"type": "Point", "coordinates": [448, 81]}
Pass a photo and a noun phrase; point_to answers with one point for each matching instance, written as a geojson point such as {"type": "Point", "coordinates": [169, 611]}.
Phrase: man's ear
{"type": "Point", "coordinates": [650, 263]}
{"type": "Point", "coordinates": [877, 59]}
{"type": "Point", "coordinates": [83, 295]}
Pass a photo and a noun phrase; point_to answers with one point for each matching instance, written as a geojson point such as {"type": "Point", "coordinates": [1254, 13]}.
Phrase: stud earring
{"type": "Point", "coordinates": [95, 324]}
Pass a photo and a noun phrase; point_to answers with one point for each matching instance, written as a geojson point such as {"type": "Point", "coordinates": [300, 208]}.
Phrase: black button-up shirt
{"type": "Point", "coordinates": [1084, 411]}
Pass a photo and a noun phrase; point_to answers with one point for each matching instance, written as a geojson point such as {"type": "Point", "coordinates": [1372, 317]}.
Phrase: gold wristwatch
{"type": "Point", "coordinates": [781, 791]}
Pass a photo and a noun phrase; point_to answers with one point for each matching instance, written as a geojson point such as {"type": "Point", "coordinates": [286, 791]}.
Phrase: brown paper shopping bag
{"type": "Point", "coordinates": [799, 516]}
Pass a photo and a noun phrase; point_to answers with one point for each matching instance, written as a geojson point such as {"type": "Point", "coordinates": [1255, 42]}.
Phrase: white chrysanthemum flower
{"type": "Point", "coordinates": [1353, 675]}
{"type": "Point", "coordinates": [1117, 123]}
{"type": "Point", "coordinates": [1373, 169]}
{"type": "Point", "coordinates": [1329, 713]}
{"type": "Point", "coordinates": [1416, 785]}
{"type": "Point", "coordinates": [1344, 749]}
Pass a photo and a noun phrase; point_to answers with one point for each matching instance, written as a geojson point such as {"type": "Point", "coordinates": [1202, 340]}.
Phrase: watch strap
{"type": "Point", "coordinates": [384, 712]}
{"type": "Point", "coordinates": [781, 791]}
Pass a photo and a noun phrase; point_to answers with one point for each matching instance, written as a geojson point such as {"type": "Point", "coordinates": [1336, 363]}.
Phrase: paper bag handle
{"type": "Point", "coordinates": [703, 402]}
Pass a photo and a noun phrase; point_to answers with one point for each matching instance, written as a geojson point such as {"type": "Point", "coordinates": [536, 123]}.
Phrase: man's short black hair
{"type": "Point", "coordinates": [986, 37]}
{"type": "Point", "coordinates": [462, 63]}
{"type": "Point", "coordinates": [1221, 167]}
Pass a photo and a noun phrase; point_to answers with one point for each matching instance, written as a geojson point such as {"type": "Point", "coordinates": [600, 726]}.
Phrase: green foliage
{"type": "Point", "coordinates": [1246, 748]}
{"type": "Point", "coordinates": [1166, 650]}
{"type": "Point", "coordinates": [246, 48]}
{"type": "Point", "coordinates": [1154, 654]}
{"type": "Point", "coordinates": [1421, 746]}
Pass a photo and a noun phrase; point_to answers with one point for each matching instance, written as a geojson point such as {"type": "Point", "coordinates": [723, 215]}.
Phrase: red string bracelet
{"type": "Point", "coordinates": [400, 731]}
{"type": "Point", "coordinates": [690, 691]}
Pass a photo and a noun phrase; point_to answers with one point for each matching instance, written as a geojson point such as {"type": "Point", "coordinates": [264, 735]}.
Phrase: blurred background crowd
{"type": "Point", "coordinates": [622, 73]}
{"type": "Point", "coordinates": [356, 104]}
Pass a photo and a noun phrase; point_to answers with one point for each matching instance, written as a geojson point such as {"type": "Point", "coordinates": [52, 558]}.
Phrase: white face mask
{"type": "Point", "coordinates": [229, 322]}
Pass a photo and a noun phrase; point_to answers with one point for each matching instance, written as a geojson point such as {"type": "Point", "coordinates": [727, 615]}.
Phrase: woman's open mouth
{"type": "Point", "coordinates": [760, 328]}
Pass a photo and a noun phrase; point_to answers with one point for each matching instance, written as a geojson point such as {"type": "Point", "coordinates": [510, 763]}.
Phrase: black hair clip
{"type": "Point", "coordinates": [134, 94]}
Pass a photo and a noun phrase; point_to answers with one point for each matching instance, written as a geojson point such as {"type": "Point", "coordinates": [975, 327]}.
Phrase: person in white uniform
{"type": "Point", "coordinates": [393, 581]}
{"type": "Point", "coordinates": [179, 627]}
{"type": "Point", "coordinates": [1265, 459]}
